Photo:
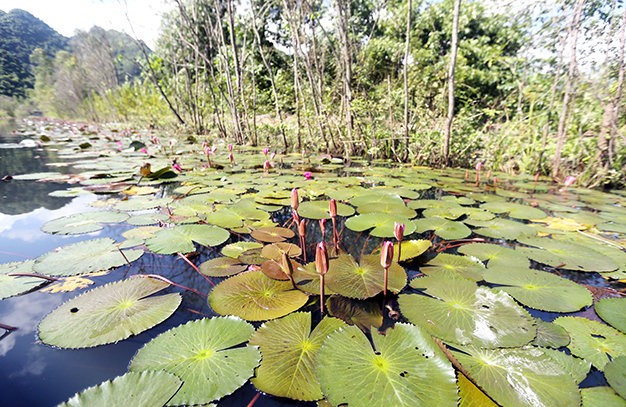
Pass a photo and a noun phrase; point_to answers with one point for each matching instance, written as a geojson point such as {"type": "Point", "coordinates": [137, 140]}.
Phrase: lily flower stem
{"type": "Point", "coordinates": [254, 399]}
{"type": "Point", "coordinates": [385, 284]}
{"type": "Point", "coordinates": [322, 295]}
{"type": "Point", "coordinates": [399, 250]}
{"type": "Point", "coordinates": [8, 327]}
{"type": "Point", "coordinates": [51, 279]}
{"type": "Point", "coordinates": [335, 234]}
{"type": "Point", "coordinates": [167, 280]}
{"type": "Point", "coordinates": [193, 266]}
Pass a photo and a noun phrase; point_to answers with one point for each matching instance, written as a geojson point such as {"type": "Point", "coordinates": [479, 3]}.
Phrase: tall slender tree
{"type": "Point", "coordinates": [453, 52]}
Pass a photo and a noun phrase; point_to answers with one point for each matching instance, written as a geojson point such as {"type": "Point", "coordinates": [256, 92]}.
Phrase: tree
{"type": "Point", "coordinates": [453, 52]}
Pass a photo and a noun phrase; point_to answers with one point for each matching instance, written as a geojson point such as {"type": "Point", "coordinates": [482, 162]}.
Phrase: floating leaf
{"type": "Point", "coordinates": [404, 368]}
{"type": "Point", "coordinates": [234, 250]}
{"type": "Point", "coordinates": [413, 248]}
{"type": "Point", "coordinates": [319, 210]}
{"type": "Point", "coordinates": [86, 222]}
{"type": "Point", "coordinates": [255, 297]}
{"type": "Point", "coordinates": [84, 257]}
{"type": "Point", "coordinates": [145, 389]}
{"type": "Point", "coordinates": [612, 227]}
{"type": "Point", "coordinates": [397, 208]}
{"type": "Point", "coordinates": [494, 254]}
{"type": "Point", "coordinates": [15, 285]}
{"type": "Point", "coordinates": [444, 228]}
{"type": "Point", "coordinates": [550, 335]}
{"type": "Point", "coordinates": [569, 256]}
{"type": "Point", "coordinates": [472, 396]}
{"type": "Point", "coordinates": [517, 211]}
{"type": "Point", "coordinates": [108, 314]}
{"type": "Point", "coordinates": [222, 267]}
{"type": "Point", "coordinates": [289, 351]}
{"type": "Point", "coordinates": [225, 218]}
{"type": "Point", "coordinates": [521, 377]}
{"type": "Point", "coordinates": [592, 340]}
{"type": "Point", "coordinates": [365, 314]}
{"type": "Point", "coordinates": [612, 311]}
{"type": "Point", "coordinates": [382, 224]}
{"type": "Point", "coordinates": [615, 373]}
{"type": "Point", "coordinates": [464, 313]}
{"type": "Point", "coordinates": [364, 279]}
{"type": "Point", "coordinates": [601, 396]}
{"type": "Point", "coordinates": [500, 228]}
{"type": "Point", "coordinates": [462, 265]}
{"type": "Point", "coordinates": [205, 354]}
{"type": "Point", "coordinates": [275, 251]}
{"type": "Point", "coordinates": [180, 238]}
{"type": "Point", "coordinates": [539, 289]}
{"type": "Point", "coordinates": [272, 234]}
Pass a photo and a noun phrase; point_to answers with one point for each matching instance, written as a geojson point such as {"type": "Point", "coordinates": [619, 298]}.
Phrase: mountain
{"type": "Point", "coordinates": [20, 34]}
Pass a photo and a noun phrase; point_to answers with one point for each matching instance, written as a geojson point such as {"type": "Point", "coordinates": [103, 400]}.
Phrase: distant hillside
{"type": "Point", "coordinates": [20, 34]}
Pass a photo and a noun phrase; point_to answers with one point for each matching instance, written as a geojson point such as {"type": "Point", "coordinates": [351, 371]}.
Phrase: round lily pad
{"type": "Point", "coordinates": [500, 228]}
{"type": "Point", "coordinates": [272, 234]}
{"type": "Point", "coordinates": [615, 373]}
{"type": "Point", "coordinates": [275, 251]}
{"type": "Point", "coordinates": [15, 285]}
{"type": "Point", "coordinates": [145, 389]}
{"type": "Point", "coordinates": [601, 396]}
{"type": "Point", "coordinates": [86, 222]}
{"type": "Point", "coordinates": [462, 265]}
{"type": "Point", "coordinates": [255, 297]}
{"type": "Point", "coordinates": [382, 224]}
{"type": "Point", "coordinates": [550, 335]}
{"type": "Point", "coordinates": [404, 367]}
{"type": "Point", "coordinates": [84, 257]}
{"type": "Point", "coordinates": [285, 341]}
{"type": "Point", "coordinates": [319, 210]}
{"type": "Point", "coordinates": [205, 354]}
{"type": "Point", "coordinates": [517, 211]}
{"type": "Point", "coordinates": [565, 255]}
{"type": "Point", "coordinates": [108, 314]}
{"type": "Point", "coordinates": [234, 250]}
{"type": "Point", "coordinates": [364, 279]}
{"type": "Point", "coordinates": [494, 254]}
{"type": "Point", "coordinates": [444, 228]}
{"type": "Point", "coordinates": [222, 267]}
{"type": "Point", "coordinates": [612, 311]}
{"type": "Point", "coordinates": [180, 238]}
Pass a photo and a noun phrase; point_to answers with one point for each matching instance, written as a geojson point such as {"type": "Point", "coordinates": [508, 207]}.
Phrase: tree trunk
{"type": "Point", "coordinates": [453, 51]}
{"type": "Point", "coordinates": [405, 154]}
{"type": "Point", "coordinates": [346, 64]}
{"type": "Point", "coordinates": [569, 85]}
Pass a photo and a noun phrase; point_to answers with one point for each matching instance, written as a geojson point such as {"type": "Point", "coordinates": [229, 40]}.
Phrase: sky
{"type": "Point", "coordinates": [67, 16]}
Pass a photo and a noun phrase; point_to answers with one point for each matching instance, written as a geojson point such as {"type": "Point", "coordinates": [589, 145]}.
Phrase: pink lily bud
{"type": "Point", "coordinates": [569, 180]}
{"type": "Point", "coordinates": [332, 208]}
{"type": "Point", "coordinates": [321, 258]}
{"type": "Point", "coordinates": [272, 156]}
{"type": "Point", "coordinates": [307, 175]}
{"type": "Point", "coordinates": [266, 151]}
{"type": "Point", "coordinates": [230, 147]}
{"type": "Point", "coordinates": [386, 254]}
{"type": "Point", "coordinates": [479, 165]}
{"type": "Point", "coordinates": [302, 227]}
{"type": "Point", "coordinates": [177, 167]}
{"type": "Point", "coordinates": [295, 201]}
{"type": "Point", "coordinates": [266, 165]}
{"type": "Point", "coordinates": [398, 230]}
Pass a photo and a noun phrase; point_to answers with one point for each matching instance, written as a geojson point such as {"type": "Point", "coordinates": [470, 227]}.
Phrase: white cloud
{"type": "Point", "coordinates": [67, 16]}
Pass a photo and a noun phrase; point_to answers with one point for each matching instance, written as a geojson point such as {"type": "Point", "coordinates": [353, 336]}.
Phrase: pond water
{"type": "Point", "coordinates": [80, 159]}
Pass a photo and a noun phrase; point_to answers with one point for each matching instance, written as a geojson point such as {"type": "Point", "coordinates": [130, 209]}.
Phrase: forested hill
{"type": "Point", "coordinates": [20, 34]}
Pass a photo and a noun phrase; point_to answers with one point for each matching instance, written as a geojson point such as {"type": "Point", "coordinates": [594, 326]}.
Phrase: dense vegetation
{"type": "Point", "coordinates": [534, 89]}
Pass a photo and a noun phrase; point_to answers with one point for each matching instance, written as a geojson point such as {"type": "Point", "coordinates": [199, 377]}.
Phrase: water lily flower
{"type": "Point", "coordinates": [177, 167]}
{"type": "Point", "coordinates": [307, 175]}
{"type": "Point", "coordinates": [332, 208]}
{"type": "Point", "coordinates": [143, 150]}
{"type": "Point", "coordinates": [479, 167]}
{"type": "Point", "coordinates": [266, 151]}
{"type": "Point", "coordinates": [230, 147]}
{"type": "Point", "coordinates": [322, 223]}
{"type": "Point", "coordinates": [267, 165]}
{"type": "Point", "coordinates": [302, 233]}
{"type": "Point", "coordinates": [569, 180]}
{"type": "Point", "coordinates": [398, 231]}
{"type": "Point", "coordinates": [272, 156]}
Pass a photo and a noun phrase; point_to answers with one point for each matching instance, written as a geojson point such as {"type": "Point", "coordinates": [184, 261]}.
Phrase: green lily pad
{"type": "Point", "coordinates": [222, 267]}
{"type": "Point", "coordinates": [138, 236]}
{"type": "Point", "coordinates": [521, 377]}
{"type": "Point", "coordinates": [364, 279]}
{"type": "Point", "coordinates": [108, 314]}
{"type": "Point", "coordinates": [180, 238]}
{"type": "Point", "coordinates": [601, 396]}
{"type": "Point", "coordinates": [494, 254]}
{"type": "Point", "coordinates": [382, 224]}
{"type": "Point", "coordinates": [550, 335]}
{"type": "Point", "coordinates": [145, 389]}
{"type": "Point", "coordinates": [612, 311]}
{"type": "Point", "coordinates": [205, 354]}
{"type": "Point", "coordinates": [141, 203]}
{"type": "Point", "coordinates": [593, 341]}
{"type": "Point", "coordinates": [234, 250]}
{"type": "Point", "coordinates": [272, 234]}
{"type": "Point", "coordinates": [255, 297]}
{"type": "Point", "coordinates": [377, 196]}
{"type": "Point", "coordinates": [319, 210]}
{"type": "Point", "coordinates": [289, 351]}
{"type": "Point", "coordinates": [404, 367]}
{"type": "Point", "coordinates": [84, 257]}
{"type": "Point", "coordinates": [500, 228]}
{"type": "Point", "coordinates": [365, 314]}
{"type": "Point", "coordinates": [444, 228]}
{"type": "Point", "coordinates": [275, 251]}
{"type": "Point", "coordinates": [16, 285]}
{"type": "Point", "coordinates": [517, 211]}
{"type": "Point", "coordinates": [569, 256]}
{"type": "Point", "coordinates": [615, 373]}
{"type": "Point", "coordinates": [462, 265]}
{"type": "Point", "coordinates": [225, 218]}
{"type": "Point", "coordinates": [472, 396]}
{"type": "Point", "coordinates": [464, 313]}
{"type": "Point", "coordinates": [612, 227]}
{"type": "Point", "coordinates": [412, 248]}
{"type": "Point", "coordinates": [399, 209]}
{"type": "Point", "coordinates": [539, 289]}
{"type": "Point", "coordinates": [146, 219]}
{"type": "Point", "coordinates": [86, 222]}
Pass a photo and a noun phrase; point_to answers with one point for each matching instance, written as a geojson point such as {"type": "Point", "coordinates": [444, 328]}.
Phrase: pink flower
{"type": "Point", "coordinates": [386, 254]}
{"type": "Point", "coordinates": [479, 165]}
{"type": "Point", "coordinates": [321, 258]}
{"type": "Point", "coordinates": [308, 175]}
{"type": "Point", "coordinates": [230, 147]}
{"type": "Point", "coordinates": [231, 158]}
{"type": "Point", "coordinates": [295, 201]}
{"type": "Point", "coordinates": [177, 167]}
{"type": "Point", "coordinates": [266, 151]}
{"type": "Point", "coordinates": [143, 150]}
{"type": "Point", "coordinates": [272, 156]}
{"type": "Point", "coordinates": [267, 165]}
{"type": "Point", "coordinates": [398, 230]}
{"type": "Point", "coordinates": [569, 181]}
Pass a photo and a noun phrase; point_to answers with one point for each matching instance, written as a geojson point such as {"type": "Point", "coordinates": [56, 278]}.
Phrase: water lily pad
{"type": "Point", "coordinates": [464, 313]}
{"type": "Point", "coordinates": [569, 256]}
{"type": "Point", "coordinates": [255, 297]}
{"type": "Point", "coordinates": [377, 196]}
{"type": "Point", "coordinates": [222, 267]}
{"type": "Point", "coordinates": [612, 227]}
{"type": "Point", "coordinates": [494, 254]}
{"type": "Point", "coordinates": [225, 218]}
{"type": "Point", "coordinates": [180, 238]}
{"type": "Point", "coordinates": [539, 289]}
{"type": "Point", "coordinates": [404, 367]}
{"type": "Point", "coordinates": [141, 203]}
{"type": "Point", "coordinates": [319, 210]}
{"type": "Point", "coordinates": [517, 211]}
{"type": "Point", "coordinates": [382, 224]}
{"type": "Point", "coordinates": [365, 314]}
{"type": "Point", "coordinates": [520, 377]}
{"type": "Point", "coordinates": [275, 251]}
{"type": "Point", "coordinates": [145, 389]}
{"type": "Point", "coordinates": [601, 396]}
{"type": "Point", "coordinates": [272, 234]}
{"type": "Point", "coordinates": [398, 208]}
{"type": "Point", "coordinates": [84, 257]}
{"type": "Point", "coordinates": [593, 341]}
{"type": "Point", "coordinates": [205, 354]}
{"type": "Point", "coordinates": [612, 311]}
{"type": "Point", "coordinates": [472, 396]}
{"type": "Point", "coordinates": [500, 228]}
{"type": "Point", "coordinates": [86, 222]}
{"type": "Point", "coordinates": [615, 373]}
{"type": "Point", "coordinates": [139, 235]}
{"type": "Point", "coordinates": [413, 248]}
{"type": "Point", "coordinates": [364, 279]}
{"type": "Point", "coordinates": [444, 228]}
{"type": "Point", "coordinates": [234, 250]}
{"type": "Point", "coordinates": [108, 314]}
{"type": "Point", "coordinates": [289, 351]}
{"type": "Point", "coordinates": [146, 219]}
{"type": "Point", "coordinates": [462, 265]}
{"type": "Point", "coordinates": [15, 285]}
{"type": "Point", "coordinates": [550, 335]}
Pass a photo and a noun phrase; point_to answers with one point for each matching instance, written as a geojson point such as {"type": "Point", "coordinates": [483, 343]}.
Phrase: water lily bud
{"type": "Point", "coordinates": [569, 181]}
{"type": "Point", "coordinates": [272, 156]}
{"type": "Point", "coordinates": [302, 227]}
{"type": "Point", "coordinates": [230, 147]}
{"type": "Point", "coordinates": [398, 230]}
{"type": "Point", "coordinates": [386, 255]}
{"type": "Point", "coordinates": [266, 165]}
{"type": "Point", "coordinates": [266, 151]}
{"type": "Point", "coordinates": [479, 165]}
{"type": "Point", "coordinates": [295, 201]}
{"type": "Point", "coordinates": [332, 208]}
{"type": "Point", "coordinates": [231, 158]}
{"type": "Point", "coordinates": [321, 258]}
